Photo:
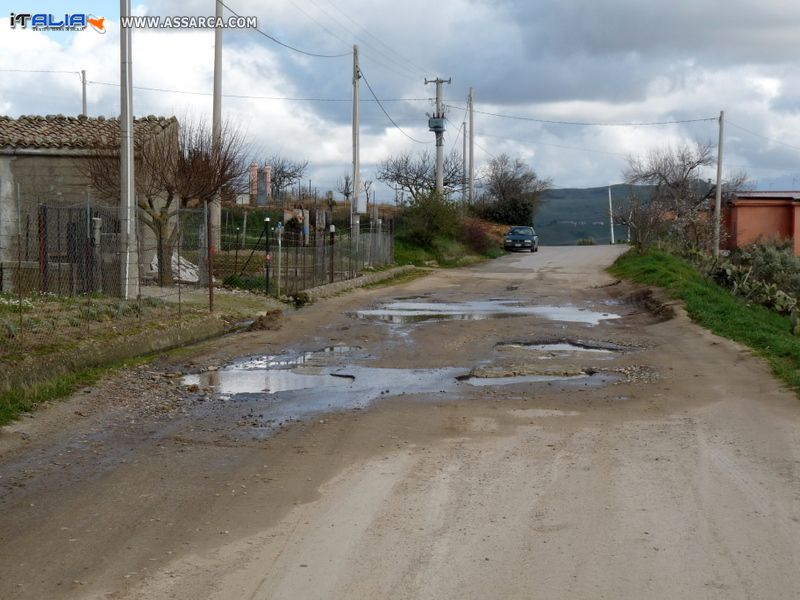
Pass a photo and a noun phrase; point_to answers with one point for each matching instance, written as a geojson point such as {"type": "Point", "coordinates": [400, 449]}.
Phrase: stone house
{"type": "Point", "coordinates": [40, 166]}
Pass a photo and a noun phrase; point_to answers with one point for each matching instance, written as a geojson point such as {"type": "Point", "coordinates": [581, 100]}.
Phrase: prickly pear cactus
{"type": "Point", "coordinates": [795, 320]}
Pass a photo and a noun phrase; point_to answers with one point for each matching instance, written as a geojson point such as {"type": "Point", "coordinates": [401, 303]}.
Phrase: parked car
{"type": "Point", "coordinates": [521, 238]}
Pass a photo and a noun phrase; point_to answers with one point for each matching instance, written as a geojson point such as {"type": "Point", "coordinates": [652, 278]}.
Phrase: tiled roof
{"type": "Point", "coordinates": [74, 133]}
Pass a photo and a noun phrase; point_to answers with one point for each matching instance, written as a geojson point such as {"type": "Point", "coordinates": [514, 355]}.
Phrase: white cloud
{"type": "Point", "coordinates": [610, 61]}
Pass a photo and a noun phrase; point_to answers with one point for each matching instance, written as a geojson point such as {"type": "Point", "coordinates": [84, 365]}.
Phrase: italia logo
{"type": "Point", "coordinates": [97, 23]}
{"type": "Point", "coordinates": [51, 22]}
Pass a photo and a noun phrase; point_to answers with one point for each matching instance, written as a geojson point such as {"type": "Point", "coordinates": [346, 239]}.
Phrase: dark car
{"type": "Point", "coordinates": [521, 238]}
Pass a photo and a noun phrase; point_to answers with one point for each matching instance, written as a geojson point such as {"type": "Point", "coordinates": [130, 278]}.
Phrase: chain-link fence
{"type": "Point", "coordinates": [67, 271]}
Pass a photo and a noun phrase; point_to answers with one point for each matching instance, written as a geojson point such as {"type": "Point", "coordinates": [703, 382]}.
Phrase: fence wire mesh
{"type": "Point", "coordinates": [65, 271]}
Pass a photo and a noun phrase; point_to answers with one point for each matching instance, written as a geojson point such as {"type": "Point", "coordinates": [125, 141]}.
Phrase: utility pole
{"type": "Point", "coordinates": [354, 206]}
{"type": "Point", "coordinates": [471, 150]}
{"type": "Point", "coordinates": [83, 93]}
{"type": "Point", "coordinates": [611, 215]}
{"type": "Point", "coordinates": [126, 213]}
{"type": "Point", "coordinates": [215, 210]}
{"type": "Point", "coordinates": [718, 196]}
{"type": "Point", "coordinates": [436, 124]}
{"type": "Point", "coordinates": [464, 163]}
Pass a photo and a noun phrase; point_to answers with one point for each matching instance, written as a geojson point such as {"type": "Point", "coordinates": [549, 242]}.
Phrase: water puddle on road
{"type": "Point", "coordinates": [415, 312]}
{"type": "Point", "coordinates": [562, 348]}
{"type": "Point", "coordinates": [593, 379]}
{"type": "Point", "coordinates": [281, 388]}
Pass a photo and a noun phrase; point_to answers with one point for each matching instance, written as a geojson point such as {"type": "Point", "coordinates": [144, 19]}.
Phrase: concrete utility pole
{"type": "Point", "coordinates": [464, 162]}
{"type": "Point", "coordinates": [436, 124]}
{"type": "Point", "coordinates": [471, 149]}
{"type": "Point", "coordinates": [355, 207]}
{"type": "Point", "coordinates": [127, 216]}
{"type": "Point", "coordinates": [718, 196]}
{"type": "Point", "coordinates": [83, 93]}
{"type": "Point", "coordinates": [611, 215]}
{"type": "Point", "coordinates": [215, 210]}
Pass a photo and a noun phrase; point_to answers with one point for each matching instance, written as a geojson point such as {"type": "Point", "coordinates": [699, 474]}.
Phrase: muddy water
{"type": "Point", "coordinates": [408, 312]}
{"type": "Point", "coordinates": [296, 386]}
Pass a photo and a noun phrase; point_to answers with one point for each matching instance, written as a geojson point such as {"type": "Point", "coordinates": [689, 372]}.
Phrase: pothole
{"type": "Point", "coordinates": [498, 376]}
{"type": "Point", "coordinates": [562, 347]}
{"type": "Point", "coordinates": [409, 312]}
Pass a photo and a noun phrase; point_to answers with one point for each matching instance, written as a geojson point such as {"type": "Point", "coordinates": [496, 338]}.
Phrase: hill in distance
{"type": "Point", "coordinates": [567, 215]}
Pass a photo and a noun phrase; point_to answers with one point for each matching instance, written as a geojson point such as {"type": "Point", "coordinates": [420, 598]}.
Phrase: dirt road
{"type": "Point", "coordinates": [519, 429]}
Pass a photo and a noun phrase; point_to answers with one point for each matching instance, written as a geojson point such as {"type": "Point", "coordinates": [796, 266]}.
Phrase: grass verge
{"type": "Point", "coordinates": [442, 253]}
{"type": "Point", "coordinates": [764, 331]}
{"type": "Point", "coordinates": [15, 402]}
{"type": "Point", "coordinates": [398, 279]}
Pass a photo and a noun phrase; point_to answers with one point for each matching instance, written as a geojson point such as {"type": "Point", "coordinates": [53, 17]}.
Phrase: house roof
{"type": "Point", "coordinates": [71, 133]}
{"type": "Point", "coordinates": [770, 195]}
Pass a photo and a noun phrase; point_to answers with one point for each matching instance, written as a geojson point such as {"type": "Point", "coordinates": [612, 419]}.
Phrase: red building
{"type": "Point", "coordinates": [750, 217]}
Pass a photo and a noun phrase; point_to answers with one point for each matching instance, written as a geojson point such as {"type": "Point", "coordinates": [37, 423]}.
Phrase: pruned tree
{"type": "Point", "coordinates": [285, 173]}
{"type": "Point", "coordinates": [669, 196]}
{"type": "Point", "coordinates": [416, 173]}
{"type": "Point", "coordinates": [170, 169]}
{"type": "Point", "coordinates": [511, 191]}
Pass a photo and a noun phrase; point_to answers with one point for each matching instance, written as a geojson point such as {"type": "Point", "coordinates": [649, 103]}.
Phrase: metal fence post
{"type": "Point", "coordinates": [267, 257]}
{"type": "Point", "coordinates": [279, 233]}
{"type": "Point", "coordinates": [209, 259]}
{"type": "Point", "coordinates": [333, 247]}
{"type": "Point", "coordinates": [42, 249]}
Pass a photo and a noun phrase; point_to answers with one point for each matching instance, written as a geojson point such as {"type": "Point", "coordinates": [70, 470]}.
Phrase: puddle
{"type": "Point", "coordinates": [417, 312]}
{"type": "Point", "coordinates": [595, 379]}
{"type": "Point", "coordinates": [562, 348]}
{"type": "Point", "coordinates": [282, 388]}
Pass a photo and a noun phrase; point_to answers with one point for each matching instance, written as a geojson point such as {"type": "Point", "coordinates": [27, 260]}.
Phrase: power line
{"type": "Point", "coordinates": [285, 45]}
{"type": "Point", "coordinates": [587, 123]}
{"type": "Point", "coordinates": [251, 97]}
{"type": "Point", "coordinates": [409, 72]}
{"type": "Point", "coordinates": [39, 71]}
{"type": "Point", "coordinates": [377, 39]}
{"type": "Point", "coordinates": [762, 136]}
{"type": "Point", "coordinates": [458, 135]}
{"type": "Point", "coordinates": [371, 91]}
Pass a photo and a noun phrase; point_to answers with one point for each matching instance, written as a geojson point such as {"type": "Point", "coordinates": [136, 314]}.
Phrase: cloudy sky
{"type": "Point", "coordinates": [609, 61]}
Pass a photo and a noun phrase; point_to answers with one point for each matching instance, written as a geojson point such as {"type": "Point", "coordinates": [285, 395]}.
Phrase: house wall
{"type": "Point", "coordinates": [753, 223]}
{"type": "Point", "coordinates": [8, 213]}
{"type": "Point", "coordinates": [796, 229]}
{"type": "Point", "coordinates": [55, 180]}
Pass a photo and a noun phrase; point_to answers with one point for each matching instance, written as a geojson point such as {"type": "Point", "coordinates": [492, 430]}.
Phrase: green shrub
{"type": "Point", "coordinates": [427, 218]}
{"type": "Point", "coordinates": [586, 242]}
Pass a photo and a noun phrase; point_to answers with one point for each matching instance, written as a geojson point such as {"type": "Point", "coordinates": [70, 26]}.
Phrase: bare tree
{"type": "Point", "coordinates": [178, 165]}
{"type": "Point", "coordinates": [511, 191]}
{"type": "Point", "coordinates": [670, 197]}
{"type": "Point", "coordinates": [416, 173]}
{"type": "Point", "coordinates": [285, 173]}
{"type": "Point", "coordinates": [345, 186]}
